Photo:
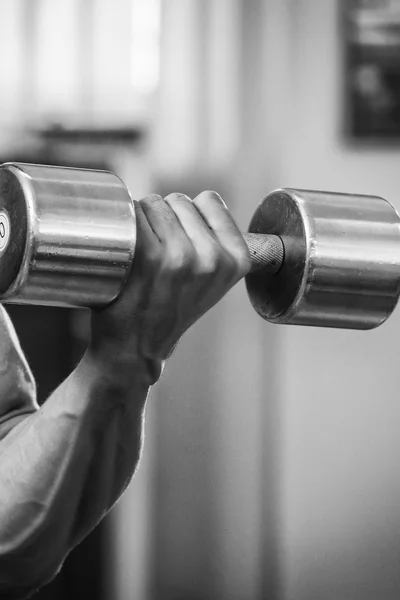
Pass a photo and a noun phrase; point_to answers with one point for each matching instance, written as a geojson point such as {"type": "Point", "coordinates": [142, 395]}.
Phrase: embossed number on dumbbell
{"type": "Point", "coordinates": [4, 230]}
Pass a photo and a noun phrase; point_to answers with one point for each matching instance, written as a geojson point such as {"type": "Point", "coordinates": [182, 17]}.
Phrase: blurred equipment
{"type": "Point", "coordinates": [322, 259]}
{"type": "Point", "coordinates": [372, 33]}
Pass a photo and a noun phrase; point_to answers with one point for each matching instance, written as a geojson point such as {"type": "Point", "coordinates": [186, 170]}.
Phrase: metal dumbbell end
{"type": "Point", "coordinates": [342, 260]}
{"type": "Point", "coordinates": [67, 238]}
{"type": "Point", "coordinates": [69, 235]}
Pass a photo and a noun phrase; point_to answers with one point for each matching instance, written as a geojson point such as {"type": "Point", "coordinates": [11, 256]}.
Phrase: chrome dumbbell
{"type": "Point", "coordinates": [67, 238]}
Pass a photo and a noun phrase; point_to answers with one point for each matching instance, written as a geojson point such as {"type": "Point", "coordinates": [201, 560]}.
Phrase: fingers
{"type": "Point", "coordinates": [210, 255]}
{"type": "Point", "coordinates": [176, 251]}
{"type": "Point", "coordinates": [147, 243]}
{"type": "Point", "coordinates": [161, 218]}
{"type": "Point", "coordinates": [184, 229]}
{"type": "Point", "coordinates": [190, 219]}
{"type": "Point", "coordinates": [215, 213]}
{"type": "Point", "coordinates": [217, 216]}
{"type": "Point", "coordinates": [147, 252]}
{"type": "Point", "coordinates": [145, 234]}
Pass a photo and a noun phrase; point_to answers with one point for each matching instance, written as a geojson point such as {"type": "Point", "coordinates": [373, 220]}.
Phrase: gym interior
{"type": "Point", "coordinates": [271, 462]}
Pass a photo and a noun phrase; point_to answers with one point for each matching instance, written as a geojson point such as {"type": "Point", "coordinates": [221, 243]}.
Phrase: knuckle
{"type": "Point", "coordinates": [151, 199]}
{"type": "Point", "coordinates": [154, 259]}
{"type": "Point", "coordinates": [209, 262]}
{"type": "Point", "coordinates": [158, 208]}
{"type": "Point", "coordinates": [232, 268]}
{"type": "Point", "coordinates": [179, 260]}
{"type": "Point", "coordinates": [243, 262]}
{"type": "Point", "coordinates": [224, 264]}
{"type": "Point", "coordinates": [151, 258]}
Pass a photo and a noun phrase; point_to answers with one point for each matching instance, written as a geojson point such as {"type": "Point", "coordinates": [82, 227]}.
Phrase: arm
{"type": "Point", "coordinates": [63, 466]}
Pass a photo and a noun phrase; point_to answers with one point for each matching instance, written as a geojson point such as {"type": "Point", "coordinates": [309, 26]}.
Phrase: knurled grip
{"type": "Point", "coordinates": [266, 251]}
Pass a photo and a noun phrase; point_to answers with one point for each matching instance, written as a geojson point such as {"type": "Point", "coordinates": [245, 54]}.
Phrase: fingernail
{"type": "Point", "coordinates": [217, 197]}
{"type": "Point", "coordinates": [177, 195]}
{"type": "Point", "coordinates": [152, 197]}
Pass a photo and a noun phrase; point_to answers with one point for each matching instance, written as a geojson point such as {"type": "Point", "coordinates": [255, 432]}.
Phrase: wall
{"type": "Point", "coordinates": [69, 62]}
{"type": "Point", "coordinates": [339, 391]}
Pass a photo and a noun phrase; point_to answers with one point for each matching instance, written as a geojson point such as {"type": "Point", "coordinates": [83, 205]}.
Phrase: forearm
{"type": "Point", "coordinates": [64, 466]}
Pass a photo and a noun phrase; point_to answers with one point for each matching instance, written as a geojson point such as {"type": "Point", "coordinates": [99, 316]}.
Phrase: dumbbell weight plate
{"type": "Point", "coordinates": [70, 239]}
{"type": "Point", "coordinates": [13, 229]}
{"type": "Point", "coordinates": [342, 260]}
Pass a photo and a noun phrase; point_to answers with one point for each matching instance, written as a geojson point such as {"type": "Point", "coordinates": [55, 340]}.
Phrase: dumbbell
{"type": "Point", "coordinates": [67, 238]}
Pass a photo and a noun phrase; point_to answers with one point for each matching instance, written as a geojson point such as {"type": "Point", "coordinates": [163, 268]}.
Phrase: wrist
{"type": "Point", "coordinates": [120, 368]}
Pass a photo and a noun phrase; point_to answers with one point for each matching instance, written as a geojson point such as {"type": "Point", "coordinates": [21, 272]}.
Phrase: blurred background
{"type": "Point", "coordinates": [271, 467]}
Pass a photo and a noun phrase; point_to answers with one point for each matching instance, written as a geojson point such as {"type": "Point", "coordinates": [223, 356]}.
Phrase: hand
{"type": "Point", "coordinates": [188, 255]}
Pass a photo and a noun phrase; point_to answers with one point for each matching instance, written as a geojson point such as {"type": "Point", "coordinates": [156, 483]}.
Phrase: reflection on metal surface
{"type": "Point", "coordinates": [74, 235]}
{"type": "Point", "coordinates": [342, 260]}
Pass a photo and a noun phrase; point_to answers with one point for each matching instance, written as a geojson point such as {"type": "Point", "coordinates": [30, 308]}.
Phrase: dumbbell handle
{"type": "Point", "coordinates": [266, 252]}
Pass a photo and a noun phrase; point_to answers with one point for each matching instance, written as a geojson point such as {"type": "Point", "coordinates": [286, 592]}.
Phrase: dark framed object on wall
{"type": "Point", "coordinates": [372, 69]}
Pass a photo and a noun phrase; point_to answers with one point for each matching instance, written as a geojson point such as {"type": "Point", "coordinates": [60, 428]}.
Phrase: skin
{"type": "Point", "coordinates": [63, 466]}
